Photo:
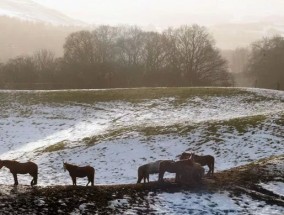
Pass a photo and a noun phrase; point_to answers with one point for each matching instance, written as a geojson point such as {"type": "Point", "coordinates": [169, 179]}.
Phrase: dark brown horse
{"type": "Point", "coordinates": [76, 171]}
{"type": "Point", "coordinates": [21, 168]}
{"type": "Point", "coordinates": [184, 169]}
{"type": "Point", "coordinates": [145, 170]}
{"type": "Point", "coordinates": [204, 160]}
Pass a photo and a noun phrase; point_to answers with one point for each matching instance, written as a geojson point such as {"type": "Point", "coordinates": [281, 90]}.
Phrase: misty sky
{"type": "Point", "coordinates": [164, 13]}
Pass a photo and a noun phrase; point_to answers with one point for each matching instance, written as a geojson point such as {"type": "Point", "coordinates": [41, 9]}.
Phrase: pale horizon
{"type": "Point", "coordinates": [165, 13]}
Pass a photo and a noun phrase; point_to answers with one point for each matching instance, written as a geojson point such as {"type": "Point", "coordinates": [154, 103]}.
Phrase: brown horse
{"type": "Point", "coordinates": [192, 175]}
{"type": "Point", "coordinates": [21, 168]}
{"type": "Point", "coordinates": [145, 170]}
{"type": "Point", "coordinates": [184, 169]}
{"type": "Point", "coordinates": [208, 160]}
{"type": "Point", "coordinates": [76, 171]}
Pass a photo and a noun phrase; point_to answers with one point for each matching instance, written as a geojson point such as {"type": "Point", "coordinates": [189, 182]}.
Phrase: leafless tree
{"type": "Point", "coordinates": [194, 53]}
{"type": "Point", "coordinates": [266, 63]}
{"type": "Point", "coordinates": [44, 64]}
{"type": "Point", "coordinates": [130, 46]}
{"type": "Point", "coordinates": [79, 49]}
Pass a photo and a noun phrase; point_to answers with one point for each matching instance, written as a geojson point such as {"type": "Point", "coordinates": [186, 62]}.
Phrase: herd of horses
{"type": "Point", "coordinates": [188, 169]}
{"type": "Point", "coordinates": [32, 169]}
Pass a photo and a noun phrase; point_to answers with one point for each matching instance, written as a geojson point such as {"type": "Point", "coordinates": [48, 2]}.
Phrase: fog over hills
{"type": "Point", "coordinates": [233, 35]}
{"type": "Point", "coordinates": [27, 26]}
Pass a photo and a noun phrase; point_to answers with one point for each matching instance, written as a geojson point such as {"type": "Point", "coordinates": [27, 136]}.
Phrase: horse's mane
{"type": "Point", "coordinates": [73, 165]}
{"type": "Point", "coordinates": [68, 164]}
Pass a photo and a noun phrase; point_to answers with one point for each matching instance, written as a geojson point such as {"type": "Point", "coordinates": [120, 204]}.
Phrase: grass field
{"type": "Point", "coordinates": [118, 130]}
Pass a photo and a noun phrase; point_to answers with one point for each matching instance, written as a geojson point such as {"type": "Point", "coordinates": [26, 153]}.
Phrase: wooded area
{"type": "Point", "coordinates": [123, 57]}
{"type": "Point", "coordinates": [127, 56]}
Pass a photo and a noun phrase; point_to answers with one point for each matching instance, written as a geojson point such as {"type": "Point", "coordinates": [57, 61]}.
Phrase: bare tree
{"type": "Point", "coordinates": [104, 41]}
{"type": "Point", "coordinates": [193, 49]}
{"type": "Point", "coordinates": [130, 46]}
{"type": "Point", "coordinates": [266, 63]}
{"type": "Point", "coordinates": [44, 64]}
{"type": "Point", "coordinates": [154, 52]}
{"type": "Point", "coordinates": [20, 70]}
{"type": "Point", "coordinates": [79, 48]}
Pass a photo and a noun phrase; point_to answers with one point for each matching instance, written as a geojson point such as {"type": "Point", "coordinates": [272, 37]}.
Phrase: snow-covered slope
{"type": "Point", "coordinates": [30, 10]}
{"type": "Point", "coordinates": [116, 135]}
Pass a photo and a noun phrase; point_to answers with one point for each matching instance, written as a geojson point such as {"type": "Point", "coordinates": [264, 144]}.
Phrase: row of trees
{"type": "Point", "coordinates": [266, 63]}
{"type": "Point", "coordinates": [260, 65]}
{"type": "Point", "coordinates": [123, 57]}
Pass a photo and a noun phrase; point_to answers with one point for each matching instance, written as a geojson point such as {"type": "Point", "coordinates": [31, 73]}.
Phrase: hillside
{"type": "Point", "coordinates": [21, 37]}
{"type": "Point", "coordinates": [241, 184]}
{"type": "Point", "coordinates": [31, 11]}
{"type": "Point", "coordinates": [118, 130]}
{"type": "Point", "coordinates": [27, 27]}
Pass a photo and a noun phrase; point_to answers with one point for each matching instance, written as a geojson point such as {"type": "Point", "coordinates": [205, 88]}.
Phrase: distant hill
{"type": "Point", "coordinates": [32, 11]}
{"type": "Point", "coordinates": [27, 27]}
{"type": "Point", "coordinates": [19, 37]}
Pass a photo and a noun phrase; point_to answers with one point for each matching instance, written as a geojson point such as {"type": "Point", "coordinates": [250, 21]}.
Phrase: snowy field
{"type": "Point", "coordinates": [117, 136]}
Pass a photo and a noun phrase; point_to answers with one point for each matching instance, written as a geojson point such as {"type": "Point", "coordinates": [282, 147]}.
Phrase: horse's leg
{"type": "Point", "coordinates": [147, 177]}
{"type": "Point", "coordinates": [34, 180]}
{"type": "Point", "coordinates": [15, 179]}
{"type": "Point", "coordinates": [212, 168]}
{"type": "Point", "coordinates": [161, 176]}
{"type": "Point", "coordinates": [90, 179]}
{"type": "Point", "coordinates": [139, 179]}
{"type": "Point", "coordinates": [177, 178]}
{"type": "Point", "coordinates": [93, 179]}
{"type": "Point", "coordinates": [209, 171]}
{"type": "Point", "coordinates": [74, 180]}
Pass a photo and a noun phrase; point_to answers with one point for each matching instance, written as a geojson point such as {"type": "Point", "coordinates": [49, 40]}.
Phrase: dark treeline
{"type": "Point", "coordinates": [122, 57]}
{"type": "Point", "coordinates": [266, 63]}
{"type": "Point", "coordinates": [260, 65]}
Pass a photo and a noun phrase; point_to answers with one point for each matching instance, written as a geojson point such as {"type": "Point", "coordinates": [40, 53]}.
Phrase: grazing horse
{"type": "Point", "coordinates": [208, 160]}
{"type": "Point", "coordinates": [145, 170]}
{"type": "Point", "coordinates": [21, 168]}
{"type": "Point", "coordinates": [76, 171]}
{"type": "Point", "coordinates": [192, 175]}
{"type": "Point", "coordinates": [184, 169]}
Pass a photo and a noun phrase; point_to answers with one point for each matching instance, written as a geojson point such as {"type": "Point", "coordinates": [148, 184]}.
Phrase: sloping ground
{"type": "Point", "coordinates": [118, 130]}
{"type": "Point", "coordinates": [111, 199]}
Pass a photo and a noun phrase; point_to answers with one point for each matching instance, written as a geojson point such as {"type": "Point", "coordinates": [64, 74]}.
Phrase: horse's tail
{"type": "Point", "coordinates": [34, 180]}
{"type": "Point", "coordinates": [213, 165]}
{"type": "Point", "coordinates": [139, 175]}
{"type": "Point", "coordinates": [93, 177]}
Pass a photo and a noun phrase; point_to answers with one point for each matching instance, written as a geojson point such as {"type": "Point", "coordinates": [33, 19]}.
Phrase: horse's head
{"type": "Point", "coordinates": [185, 155]}
{"type": "Point", "coordinates": [1, 164]}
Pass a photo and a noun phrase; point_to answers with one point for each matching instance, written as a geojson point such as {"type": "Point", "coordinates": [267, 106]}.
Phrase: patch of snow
{"type": "Point", "coordinates": [117, 203]}
{"type": "Point", "coordinates": [274, 186]}
{"type": "Point", "coordinates": [197, 203]}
